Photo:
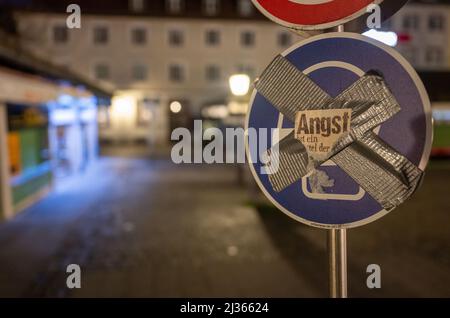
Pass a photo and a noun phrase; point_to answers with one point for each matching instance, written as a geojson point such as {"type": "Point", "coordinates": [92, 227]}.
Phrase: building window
{"type": "Point", "coordinates": [211, 7]}
{"type": "Point", "coordinates": [139, 36]}
{"type": "Point", "coordinates": [212, 73]}
{"type": "Point", "coordinates": [176, 38]}
{"type": "Point", "coordinates": [284, 39]}
{"type": "Point", "coordinates": [436, 22]}
{"type": "Point", "coordinates": [60, 34]}
{"type": "Point", "coordinates": [139, 72]}
{"type": "Point", "coordinates": [176, 73]}
{"type": "Point", "coordinates": [245, 8]}
{"type": "Point", "coordinates": [174, 6]}
{"type": "Point", "coordinates": [411, 22]}
{"type": "Point", "coordinates": [101, 35]}
{"type": "Point", "coordinates": [434, 55]}
{"type": "Point", "coordinates": [212, 37]}
{"type": "Point", "coordinates": [411, 54]}
{"type": "Point", "coordinates": [248, 39]}
{"type": "Point", "coordinates": [136, 5]}
{"type": "Point", "coordinates": [102, 71]}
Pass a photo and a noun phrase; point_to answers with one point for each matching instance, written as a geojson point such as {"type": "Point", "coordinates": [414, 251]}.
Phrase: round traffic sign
{"type": "Point", "coordinates": [317, 14]}
{"type": "Point", "coordinates": [334, 62]}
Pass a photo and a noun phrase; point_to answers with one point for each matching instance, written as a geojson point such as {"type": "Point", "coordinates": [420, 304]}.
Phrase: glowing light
{"type": "Point", "coordinates": [123, 105]}
{"type": "Point", "coordinates": [66, 100]}
{"type": "Point", "coordinates": [175, 107]}
{"type": "Point", "coordinates": [88, 115]}
{"type": "Point", "coordinates": [239, 84]}
{"type": "Point", "coordinates": [63, 116]}
{"type": "Point", "coordinates": [389, 38]}
{"type": "Point", "coordinates": [87, 102]}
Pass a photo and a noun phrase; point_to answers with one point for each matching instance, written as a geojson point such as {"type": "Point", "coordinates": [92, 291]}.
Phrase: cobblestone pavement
{"type": "Point", "coordinates": [146, 228]}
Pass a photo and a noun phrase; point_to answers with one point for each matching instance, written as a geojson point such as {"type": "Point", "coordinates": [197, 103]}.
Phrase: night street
{"type": "Point", "coordinates": [224, 157]}
{"type": "Point", "coordinates": [140, 227]}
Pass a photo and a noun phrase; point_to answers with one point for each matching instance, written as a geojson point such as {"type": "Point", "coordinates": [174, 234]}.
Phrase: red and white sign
{"type": "Point", "coordinates": [313, 14]}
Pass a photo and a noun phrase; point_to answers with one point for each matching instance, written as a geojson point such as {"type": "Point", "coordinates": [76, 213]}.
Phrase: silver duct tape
{"type": "Point", "coordinates": [389, 177]}
{"type": "Point", "coordinates": [291, 91]}
{"type": "Point", "coordinates": [284, 86]}
{"type": "Point", "coordinates": [372, 103]}
{"type": "Point", "coordinates": [288, 165]}
{"type": "Point", "coordinates": [369, 98]}
{"type": "Point", "coordinates": [386, 175]}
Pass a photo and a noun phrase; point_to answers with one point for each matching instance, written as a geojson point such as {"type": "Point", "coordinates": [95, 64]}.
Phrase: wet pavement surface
{"type": "Point", "coordinates": [142, 227]}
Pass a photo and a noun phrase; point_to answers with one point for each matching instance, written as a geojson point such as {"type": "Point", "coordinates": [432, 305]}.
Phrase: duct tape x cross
{"type": "Point", "coordinates": [388, 176]}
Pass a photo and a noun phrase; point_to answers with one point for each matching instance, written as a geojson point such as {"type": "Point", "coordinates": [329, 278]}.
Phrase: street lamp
{"type": "Point", "coordinates": [237, 107]}
{"type": "Point", "coordinates": [239, 84]}
{"type": "Point", "coordinates": [176, 107]}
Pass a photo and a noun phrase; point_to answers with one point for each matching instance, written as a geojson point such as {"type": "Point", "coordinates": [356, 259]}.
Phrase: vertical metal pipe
{"type": "Point", "coordinates": [337, 253]}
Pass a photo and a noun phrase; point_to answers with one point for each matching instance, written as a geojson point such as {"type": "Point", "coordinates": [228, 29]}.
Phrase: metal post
{"type": "Point", "coordinates": [337, 253]}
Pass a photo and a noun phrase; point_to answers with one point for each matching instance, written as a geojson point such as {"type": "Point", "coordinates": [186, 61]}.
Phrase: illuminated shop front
{"type": "Point", "coordinates": [28, 149]}
{"type": "Point", "coordinates": [48, 132]}
{"type": "Point", "coordinates": [72, 134]}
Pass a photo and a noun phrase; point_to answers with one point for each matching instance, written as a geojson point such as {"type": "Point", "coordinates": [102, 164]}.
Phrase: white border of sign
{"type": "Point", "coordinates": [427, 109]}
{"type": "Point", "coordinates": [314, 27]}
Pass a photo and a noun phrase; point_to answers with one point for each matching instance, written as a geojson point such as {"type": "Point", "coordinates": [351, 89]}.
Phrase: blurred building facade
{"type": "Point", "coordinates": [155, 53]}
{"type": "Point", "coordinates": [423, 28]}
{"type": "Point", "coordinates": [48, 126]}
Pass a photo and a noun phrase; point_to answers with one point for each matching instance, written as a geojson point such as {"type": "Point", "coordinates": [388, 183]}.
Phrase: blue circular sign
{"type": "Point", "coordinates": [334, 61]}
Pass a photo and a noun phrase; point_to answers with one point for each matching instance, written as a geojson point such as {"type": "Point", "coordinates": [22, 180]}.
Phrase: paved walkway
{"type": "Point", "coordinates": [147, 228]}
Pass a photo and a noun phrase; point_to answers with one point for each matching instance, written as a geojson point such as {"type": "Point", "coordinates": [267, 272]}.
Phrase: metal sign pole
{"type": "Point", "coordinates": [337, 253]}
{"type": "Point", "coordinates": [352, 51]}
